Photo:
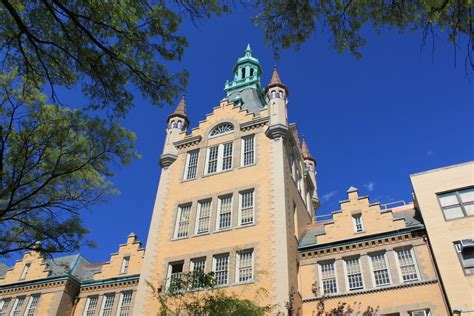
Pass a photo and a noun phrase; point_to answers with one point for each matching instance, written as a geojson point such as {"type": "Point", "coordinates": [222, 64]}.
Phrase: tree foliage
{"type": "Point", "coordinates": [196, 293]}
{"type": "Point", "coordinates": [109, 48]}
{"type": "Point", "coordinates": [54, 162]}
{"type": "Point", "coordinates": [292, 22]}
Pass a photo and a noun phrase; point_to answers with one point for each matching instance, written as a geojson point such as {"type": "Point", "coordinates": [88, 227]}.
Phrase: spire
{"type": "Point", "coordinates": [276, 81]}
{"type": "Point", "coordinates": [305, 149]}
{"type": "Point", "coordinates": [180, 110]}
{"type": "Point", "coordinates": [248, 51]}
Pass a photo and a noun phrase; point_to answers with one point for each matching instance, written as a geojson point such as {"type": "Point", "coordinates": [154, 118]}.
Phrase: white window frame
{"type": "Point", "coordinates": [4, 303]}
{"type": "Point", "coordinates": [104, 302]}
{"type": "Point", "coordinates": [243, 152]}
{"type": "Point", "coordinates": [32, 306]}
{"type": "Point", "coordinates": [420, 312]}
{"type": "Point", "coordinates": [25, 271]}
{"type": "Point", "coordinates": [188, 161]}
{"type": "Point", "coordinates": [355, 224]}
{"type": "Point", "coordinates": [241, 195]}
{"type": "Point", "coordinates": [178, 220]}
{"type": "Point", "coordinates": [214, 265]}
{"type": "Point", "coordinates": [230, 131]}
{"type": "Point", "coordinates": [320, 276]}
{"type": "Point", "coordinates": [198, 217]}
{"type": "Point", "coordinates": [17, 304]}
{"type": "Point", "coordinates": [237, 266]}
{"type": "Point", "coordinates": [220, 158]}
{"type": "Point", "coordinates": [120, 305]}
{"type": "Point", "coordinates": [372, 269]}
{"type": "Point", "coordinates": [347, 275]}
{"type": "Point", "coordinates": [170, 269]}
{"type": "Point", "coordinates": [415, 262]}
{"type": "Point", "coordinates": [219, 209]}
{"type": "Point", "coordinates": [125, 264]}
{"type": "Point", "coordinates": [88, 303]}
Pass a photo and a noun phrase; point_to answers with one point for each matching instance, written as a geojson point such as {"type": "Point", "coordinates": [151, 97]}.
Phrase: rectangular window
{"type": "Point", "coordinates": [191, 165]}
{"type": "Point", "coordinates": [465, 250]}
{"type": "Point", "coordinates": [17, 306]}
{"type": "Point", "coordinates": [175, 270]}
{"type": "Point", "coordinates": [91, 306]}
{"type": "Point", "coordinates": [198, 268]}
{"type": "Point", "coordinates": [380, 269]}
{"type": "Point", "coordinates": [212, 159]}
{"type": "Point", "coordinates": [4, 303]}
{"type": "Point", "coordinates": [221, 269]}
{"type": "Point", "coordinates": [225, 212]}
{"type": "Point", "coordinates": [248, 150]}
{"type": "Point", "coordinates": [107, 305]}
{"type": "Point", "coordinates": [245, 265]}
{"type": "Point", "coordinates": [182, 221]}
{"type": "Point", "coordinates": [421, 312]}
{"type": "Point", "coordinates": [354, 274]}
{"type": "Point", "coordinates": [32, 305]}
{"type": "Point", "coordinates": [227, 156]}
{"type": "Point", "coordinates": [457, 204]}
{"type": "Point", "coordinates": [406, 262]}
{"type": "Point", "coordinates": [328, 277]}
{"type": "Point", "coordinates": [246, 207]}
{"type": "Point", "coordinates": [358, 224]}
{"type": "Point", "coordinates": [125, 263]}
{"type": "Point", "coordinates": [219, 158]}
{"type": "Point", "coordinates": [125, 304]}
{"type": "Point", "coordinates": [24, 273]}
{"type": "Point", "coordinates": [203, 220]}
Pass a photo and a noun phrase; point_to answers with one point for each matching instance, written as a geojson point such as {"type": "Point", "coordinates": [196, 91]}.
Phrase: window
{"type": "Point", "coordinates": [25, 271]}
{"type": "Point", "coordinates": [457, 204]}
{"type": "Point", "coordinates": [91, 306]}
{"type": "Point", "coordinates": [328, 277]}
{"type": "Point", "coordinates": [198, 267]}
{"type": "Point", "coordinates": [465, 250]}
{"type": "Point", "coordinates": [204, 217]}
{"type": "Point", "coordinates": [125, 304]}
{"type": "Point", "coordinates": [358, 224]}
{"type": "Point", "coordinates": [421, 312]}
{"type": "Point", "coordinates": [32, 305]}
{"type": "Point", "coordinates": [225, 212]}
{"type": "Point", "coordinates": [107, 304]}
{"type": "Point", "coordinates": [354, 274]}
{"type": "Point", "coordinates": [246, 207]}
{"type": "Point", "coordinates": [125, 263]}
{"type": "Point", "coordinates": [251, 71]}
{"type": "Point", "coordinates": [380, 269]}
{"type": "Point", "coordinates": [182, 221]}
{"type": "Point", "coordinates": [4, 305]}
{"type": "Point", "coordinates": [219, 158]}
{"type": "Point", "coordinates": [221, 129]}
{"type": "Point", "coordinates": [248, 150]}
{"type": "Point", "coordinates": [17, 306]}
{"type": "Point", "coordinates": [191, 165]}
{"type": "Point", "coordinates": [407, 264]}
{"type": "Point", "coordinates": [244, 266]}
{"type": "Point", "coordinates": [221, 269]}
{"type": "Point", "coordinates": [175, 270]}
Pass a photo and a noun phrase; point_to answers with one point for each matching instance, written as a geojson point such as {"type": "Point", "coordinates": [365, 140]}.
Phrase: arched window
{"type": "Point", "coordinates": [180, 124]}
{"type": "Point", "coordinates": [243, 73]}
{"type": "Point", "coordinates": [221, 129]}
{"type": "Point", "coordinates": [273, 94]}
{"type": "Point", "coordinates": [251, 72]}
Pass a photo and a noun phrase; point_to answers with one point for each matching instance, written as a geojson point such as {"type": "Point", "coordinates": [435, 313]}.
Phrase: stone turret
{"type": "Point", "coordinates": [177, 125]}
{"type": "Point", "coordinates": [276, 94]}
{"type": "Point", "coordinates": [310, 169]}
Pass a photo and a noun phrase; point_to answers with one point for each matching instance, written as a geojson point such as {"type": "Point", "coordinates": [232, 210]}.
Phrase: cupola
{"type": "Point", "coordinates": [178, 118]}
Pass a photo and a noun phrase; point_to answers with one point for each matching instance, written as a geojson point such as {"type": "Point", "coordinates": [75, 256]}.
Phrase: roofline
{"type": "Point", "coordinates": [442, 168]}
{"type": "Point", "coordinates": [41, 281]}
{"type": "Point", "coordinates": [359, 239]}
{"type": "Point", "coordinates": [110, 280]}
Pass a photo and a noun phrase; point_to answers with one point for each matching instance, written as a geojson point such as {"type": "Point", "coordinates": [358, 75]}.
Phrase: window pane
{"type": "Point", "coordinates": [246, 201]}
{"type": "Point", "coordinates": [227, 157]}
{"type": "Point", "coordinates": [448, 199]}
{"type": "Point", "coordinates": [212, 159]}
{"type": "Point", "coordinates": [221, 269]}
{"type": "Point", "coordinates": [108, 304]}
{"type": "Point", "coordinates": [245, 266]}
{"type": "Point", "coordinates": [225, 212]}
{"type": "Point", "coordinates": [469, 209]}
{"type": "Point", "coordinates": [248, 151]}
{"type": "Point", "coordinates": [467, 195]}
{"type": "Point", "coordinates": [204, 219]}
{"type": "Point", "coordinates": [453, 212]}
{"type": "Point", "coordinates": [126, 304]}
{"type": "Point", "coordinates": [192, 165]}
{"type": "Point", "coordinates": [91, 306]}
{"type": "Point", "coordinates": [184, 214]}
{"type": "Point", "coordinates": [328, 277]}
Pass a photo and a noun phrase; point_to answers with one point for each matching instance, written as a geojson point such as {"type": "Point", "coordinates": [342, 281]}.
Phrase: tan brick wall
{"type": "Point", "coordinates": [37, 270]}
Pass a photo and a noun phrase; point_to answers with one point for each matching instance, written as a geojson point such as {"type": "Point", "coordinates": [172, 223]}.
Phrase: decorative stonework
{"type": "Point", "coordinates": [277, 131]}
{"type": "Point", "coordinates": [167, 159]}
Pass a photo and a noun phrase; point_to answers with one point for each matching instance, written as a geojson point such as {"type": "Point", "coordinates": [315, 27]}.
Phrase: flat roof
{"type": "Point", "coordinates": [443, 168]}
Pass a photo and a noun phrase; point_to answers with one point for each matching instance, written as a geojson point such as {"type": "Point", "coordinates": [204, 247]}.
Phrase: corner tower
{"type": "Point", "coordinates": [232, 197]}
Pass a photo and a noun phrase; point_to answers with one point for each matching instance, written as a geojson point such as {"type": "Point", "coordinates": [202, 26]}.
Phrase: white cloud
{"type": "Point", "coordinates": [326, 197]}
{"type": "Point", "coordinates": [370, 186]}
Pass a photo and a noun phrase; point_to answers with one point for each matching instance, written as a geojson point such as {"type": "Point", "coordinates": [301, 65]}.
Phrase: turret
{"type": "Point", "coordinates": [177, 125]}
{"type": "Point", "coordinates": [310, 170]}
{"type": "Point", "coordinates": [276, 95]}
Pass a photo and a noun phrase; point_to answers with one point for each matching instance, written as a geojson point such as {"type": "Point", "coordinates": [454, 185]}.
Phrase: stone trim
{"type": "Point", "coordinates": [38, 285]}
{"type": "Point", "coordinates": [167, 159]}
{"type": "Point", "coordinates": [188, 142]}
{"type": "Point", "coordinates": [110, 284]}
{"type": "Point", "coordinates": [372, 290]}
{"type": "Point", "coordinates": [254, 123]}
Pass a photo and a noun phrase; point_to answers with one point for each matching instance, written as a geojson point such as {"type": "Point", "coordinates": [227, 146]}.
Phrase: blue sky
{"type": "Point", "coordinates": [369, 123]}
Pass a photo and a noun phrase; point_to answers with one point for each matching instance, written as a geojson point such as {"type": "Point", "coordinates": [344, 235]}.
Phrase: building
{"type": "Point", "coordinates": [445, 197]}
{"type": "Point", "coordinates": [237, 196]}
